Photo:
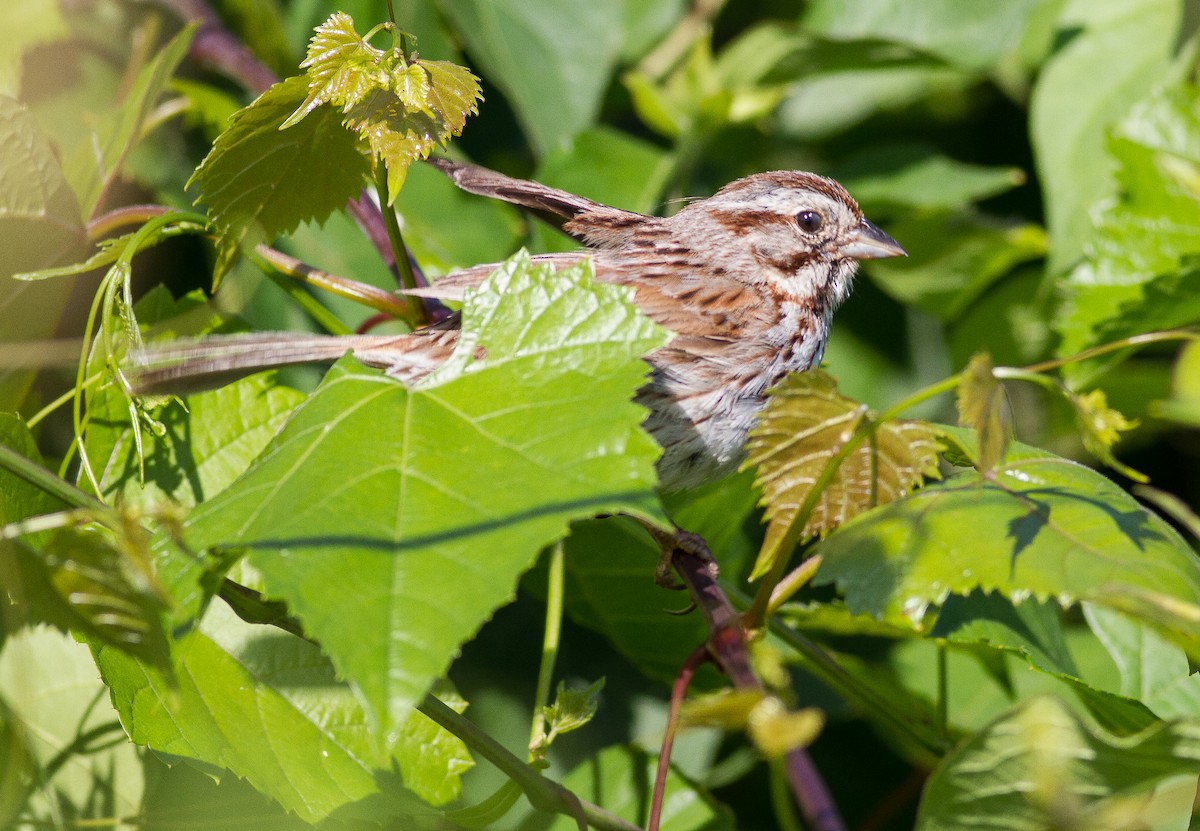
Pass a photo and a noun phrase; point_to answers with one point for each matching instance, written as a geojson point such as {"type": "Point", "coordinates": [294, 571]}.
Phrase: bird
{"type": "Point", "coordinates": [747, 280]}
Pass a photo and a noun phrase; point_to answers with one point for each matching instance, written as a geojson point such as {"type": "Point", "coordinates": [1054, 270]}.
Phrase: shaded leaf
{"type": "Point", "coordinates": [1184, 404]}
{"type": "Point", "coordinates": [259, 182]}
{"type": "Point", "coordinates": [917, 177]}
{"type": "Point", "coordinates": [983, 408]}
{"type": "Point", "coordinates": [1039, 766]}
{"type": "Point", "coordinates": [800, 433]}
{"type": "Point", "coordinates": [465, 478]}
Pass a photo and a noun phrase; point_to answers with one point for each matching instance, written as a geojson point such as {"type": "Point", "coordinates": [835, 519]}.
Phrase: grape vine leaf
{"type": "Point", "coordinates": [394, 521]}
{"type": "Point", "coordinates": [1036, 518]}
{"type": "Point", "coordinates": [1040, 766]}
{"type": "Point", "coordinates": [401, 105]}
{"type": "Point", "coordinates": [803, 429]}
{"type": "Point", "coordinates": [259, 181]}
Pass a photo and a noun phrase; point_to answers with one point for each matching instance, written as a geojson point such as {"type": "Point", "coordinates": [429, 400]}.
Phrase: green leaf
{"type": "Point", "coordinates": [1070, 114]}
{"type": "Point", "coordinates": [93, 165]}
{"type": "Point", "coordinates": [973, 37]}
{"type": "Point", "coordinates": [572, 709]}
{"type": "Point", "coordinates": [803, 428]}
{"type": "Point", "coordinates": [610, 589]}
{"type": "Point", "coordinates": [1039, 766]}
{"type": "Point", "coordinates": [77, 576]}
{"type": "Point", "coordinates": [983, 408]}
{"type": "Point", "coordinates": [267, 706]}
{"type": "Point", "coordinates": [40, 223]}
{"type": "Point", "coordinates": [1039, 525]}
{"type": "Point", "coordinates": [465, 477]}
{"type": "Point", "coordinates": [552, 59]}
{"type": "Point", "coordinates": [259, 181]}
{"type": "Point", "coordinates": [617, 778]}
{"type": "Point", "coordinates": [81, 763]}
{"type": "Point", "coordinates": [1034, 631]}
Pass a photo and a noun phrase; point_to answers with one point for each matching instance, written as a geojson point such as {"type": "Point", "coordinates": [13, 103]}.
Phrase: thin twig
{"type": "Point", "coordinates": [678, 691]}
{"type": "Point", "coordinates": [727, 642]}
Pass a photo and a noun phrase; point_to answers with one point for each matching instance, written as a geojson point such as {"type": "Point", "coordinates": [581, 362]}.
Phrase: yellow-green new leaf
{"type": "Point", "coordinates": [401, 106]}
{"type": "Point", "coordinates": [802, 433]}
{"type": "Point", "coordinates": [981, 407]}
{"type": "Point", "coordinates": [1100, 426]}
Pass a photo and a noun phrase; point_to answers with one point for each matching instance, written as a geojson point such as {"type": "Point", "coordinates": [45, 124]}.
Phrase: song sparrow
{"type": "Point", "coordinates": [747, 279]}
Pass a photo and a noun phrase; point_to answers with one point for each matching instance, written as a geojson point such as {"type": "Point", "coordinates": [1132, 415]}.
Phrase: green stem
{"type": "Point", "coordinates": [550, 643]}
{"type": "Point", "coordinates": [399, 250]}
{"type": "Point", "coordinates": [39, 477]}
{"type": "Point", "coordinates": [324, 318]}
{"type": "Point", "coordinates": [364, 293]}
{"type": "Point", "coordinates": [543, 794]}
{"type": "Point", "coordinates": [943, 691]}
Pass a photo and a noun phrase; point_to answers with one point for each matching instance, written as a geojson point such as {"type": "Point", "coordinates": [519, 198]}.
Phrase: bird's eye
{"type": "Point", "coordinates": [810, 221]}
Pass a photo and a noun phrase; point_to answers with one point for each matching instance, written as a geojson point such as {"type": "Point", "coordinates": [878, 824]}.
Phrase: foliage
{"type": "Point", "coordinates": [306, 598]}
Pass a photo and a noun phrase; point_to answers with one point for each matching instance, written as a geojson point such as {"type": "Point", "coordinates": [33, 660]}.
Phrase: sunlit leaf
{"type": "Point", "coordinates": [402, 106]}
{"type": "Point", "coordinates": [802, 430]}
{"type": "Point", "coordinates": [394, 551]}
{"type": "Point", "coordinates": [1184, 404]}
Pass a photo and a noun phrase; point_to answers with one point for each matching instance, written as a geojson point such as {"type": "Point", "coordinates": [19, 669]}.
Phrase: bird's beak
{"type": "Point", "coordinates": [869, 243]}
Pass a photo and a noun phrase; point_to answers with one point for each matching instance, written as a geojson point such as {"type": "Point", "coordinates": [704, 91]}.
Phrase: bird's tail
{"type": "Point", "coordinates": [191, 365]}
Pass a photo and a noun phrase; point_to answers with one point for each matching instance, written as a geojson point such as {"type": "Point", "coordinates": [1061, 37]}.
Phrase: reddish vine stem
{"type": "Point", "coordinates": [727, 642]}
{"type": "Point", "coordinates": [684, 680]}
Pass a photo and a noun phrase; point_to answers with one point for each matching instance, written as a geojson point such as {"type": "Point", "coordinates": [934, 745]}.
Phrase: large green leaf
{"type": "Point", "coordinates": [1039, 766]}
{"type": "Point", "coordinates": [1040, 525]}
{"type": "Point", "coordinates": [1071, 114]}
{"type": "Point", "coordinates": [552, 58]}
{"type": "Point", "coordinates": [266, 705]}
{"type": "Point", "coordinates": [394, 521]}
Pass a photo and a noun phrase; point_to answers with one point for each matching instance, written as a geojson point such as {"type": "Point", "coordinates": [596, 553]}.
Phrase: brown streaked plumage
{"type": "Point", "coordinates": [747, 279]}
